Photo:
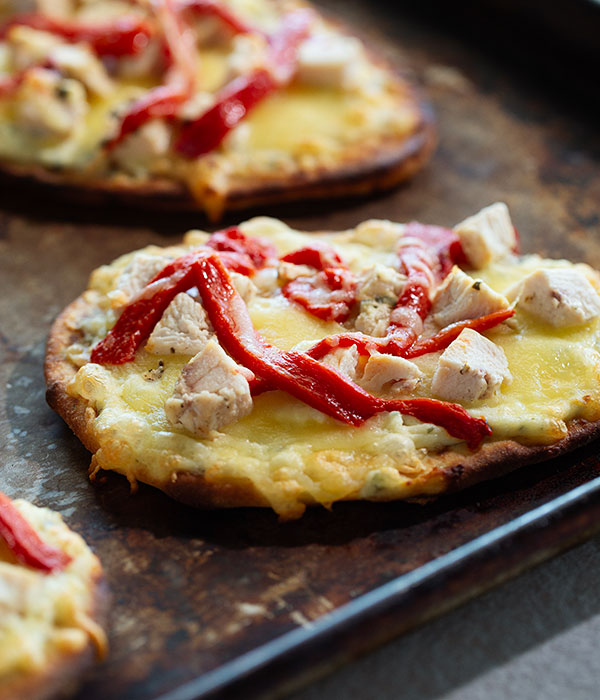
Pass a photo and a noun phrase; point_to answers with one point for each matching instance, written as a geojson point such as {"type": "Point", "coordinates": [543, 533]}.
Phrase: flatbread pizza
{"type": "Point", "coordinates": [263, 366]}
{"type": "Point", "coordinates": [210, 104]}
{"type": "Point", "coordinates": [52, 604]}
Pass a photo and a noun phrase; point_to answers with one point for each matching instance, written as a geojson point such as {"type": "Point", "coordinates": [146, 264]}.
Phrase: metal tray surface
{"type": "Point", "coordinates": [233, 603]}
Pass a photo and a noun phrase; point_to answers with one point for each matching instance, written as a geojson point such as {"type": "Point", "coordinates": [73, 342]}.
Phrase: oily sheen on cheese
{"type": "Point", "coordinates": [294, 455]}
{"type": "Point", "coordinates": [45, 617]}
{"type": "Point", "coordinates": [302, 128]}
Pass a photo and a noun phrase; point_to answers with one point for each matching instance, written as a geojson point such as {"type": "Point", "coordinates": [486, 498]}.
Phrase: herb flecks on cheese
{"type": "Point", "coordinates": [63, 100]}
{"type": "Point", "coordinates": [295, 455]}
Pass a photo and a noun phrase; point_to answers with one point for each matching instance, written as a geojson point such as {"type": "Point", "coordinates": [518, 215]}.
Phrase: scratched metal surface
{"type": "Point", "coordinates": [194, 590]}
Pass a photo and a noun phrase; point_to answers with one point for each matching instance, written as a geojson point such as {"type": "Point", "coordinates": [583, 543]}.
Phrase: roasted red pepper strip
{"type": "Point", "coordinates": [242, 94]}
{"type": "Point", "coordinates": [317, 255]}
{"type": "Point", "coordinates": [328, 294]}
{"type": "Point", "coordinates": [123, 36]}
{"type": "Point", "coordinates": [233, 103]}
{"type": "Point", "coordinates": [139, 318]}
{"type": "Point", "coordinates": [216, 9]}
{"type": "Point", "coordinates": [367, 345]}
{"type": "Point", "coordinates": [252, 252]}
{"type": "Point", "coordinates": [24, 542]}
{"type": "Point", "coordinates": [441, 340]}
{"type": "Point", "coordinates": [164, 100]}
{"type": "Point", "coordinates": [296, 373]}
{"type": "Point", "coordinates": [161, 101]}
{"type": "Point", "coordinates": [442, 241]}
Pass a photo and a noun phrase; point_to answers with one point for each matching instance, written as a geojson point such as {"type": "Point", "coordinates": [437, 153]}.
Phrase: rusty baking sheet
{"type": "Point", "coordinates": [235, 604]}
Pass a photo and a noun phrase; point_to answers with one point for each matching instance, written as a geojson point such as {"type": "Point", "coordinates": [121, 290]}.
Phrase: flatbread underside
{"type": "Point", "coordinates": [64, 672]}
{"type": "Point", "coordinates": [374, 171]}
{"type": "Point", "coordinates": [450, 470]}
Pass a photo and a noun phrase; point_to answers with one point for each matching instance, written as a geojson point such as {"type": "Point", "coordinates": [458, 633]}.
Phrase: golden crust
{"type": "Point", "coordinates": [374, 171]}
{"type": "Point", "coordinates": [447, 471]}
{"type": "Point", "coordinates": [64, 672]}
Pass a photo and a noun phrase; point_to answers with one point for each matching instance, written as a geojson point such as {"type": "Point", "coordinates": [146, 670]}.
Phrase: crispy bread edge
{"type": "Point", "coordinates": [374, 170]}
{"type": "Point", "coordinates": [193, 489]}
{"type": "Point", "coordinates": [450, 471]}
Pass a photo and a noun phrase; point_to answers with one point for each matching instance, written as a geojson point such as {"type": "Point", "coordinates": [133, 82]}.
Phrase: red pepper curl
{"type": "Point", "coordinates": [24, 542]}
{"type": "Point", "coordinates": [296, 373]}
{"type": "Point", "coordinates": [123, 36]}
{"type": "Point", "coordinates": [330, 293]}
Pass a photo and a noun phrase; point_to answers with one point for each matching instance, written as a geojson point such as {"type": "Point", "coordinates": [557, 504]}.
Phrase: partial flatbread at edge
{"type": "Point", "coordinates": [48, 659]}
{"type": "Point", "coordinates": [287, 455]}
{"type": "Point", "coordinates": [355, 124]}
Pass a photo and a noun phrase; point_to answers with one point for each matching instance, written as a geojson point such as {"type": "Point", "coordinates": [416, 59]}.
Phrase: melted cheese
{"type": "Point", "coordinates": [294, 454]}
{"type": "Point", "coordinates": [43, 616]}
{"type": "Point", "coordinates": [296, 128]}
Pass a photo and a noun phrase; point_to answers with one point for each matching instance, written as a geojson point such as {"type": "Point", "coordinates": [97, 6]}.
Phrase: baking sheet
{"type": "Point", "coordinates": [195, 592]}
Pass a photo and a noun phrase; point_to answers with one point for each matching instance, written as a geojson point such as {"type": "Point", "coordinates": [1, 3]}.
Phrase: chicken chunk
{"type": "Point", "coordinates": [378, 289]}
{"type": "Point", "coordinates": [78, 62]}
{"type": "Point", "coordinates": [244, 285]}
{"type": "Point", "coordinates": [373, 318]}
{"type": "Point", "coordinates": [49, 106]}
{"type": "Point", "coordinates": [211, 393]}
{"type": "Point", "coordinates": [343, 360]}
{"type": "Point", "coordinates": [29, 47]}
{"type": "Point", "coordinates": [183, 328]}
{"type": "Point", "coordinates": [327, 60]}
{"type": "Point", "coordinates": [139, 150]}
{"type": "Point", "coordinates": [560, 297]}
{"type": "Point", "coordinates": [488, 235]}
{"type": "Point", "coordinates": [381, 283]}
{"type": "Point", "coordinates": [470, 368]}
{"type": "Point", "coordinates": [461, 297]}
{"type": "Point", "coordinates": [388, 374]}
{"type": "Point", "coordinates": [136, 276]}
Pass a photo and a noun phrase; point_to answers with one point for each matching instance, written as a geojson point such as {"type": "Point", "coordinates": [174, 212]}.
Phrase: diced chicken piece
{"type": "Point", "coordinates": [461, 297]}
{"type": "Point", "coordinates": [211, 393]}
{"type": "Point", "coordinates": [328, 60]}
{"type": "Point", "coordinates": [560, 297]}
{"type": "Point", "coordinates": [385, 373]}
{"type": "Point", "coordinates": [488, 235]}
{"type": "Point", "coordinates": [244, 285]}
{"type": "Point", "coordinates": [136, 276]}
{"type": "Point", "coordinates": [195, 107]}
{"type": "Point", "coordinates": [344, 360]}
{"type": "Point", "coordinates": [249, 53]}
{"type": "Point", "coordinates": [139, 150]}
{"type": "Point", "coordinates": [470, 368]}
{"type": "Point", "coordinates": [381, 283]}
{"type": "Point", "coordinates": [286, 272]}
{"type": "Point", "coordinates": [183, 328]}
{"type": "Point", "coordinates": [373, 318]}
{"type": "Point", "coordinates": [29, 46]}
{"type": "Point", "coordinates": [78, 62]}
{"type": "Point", "coordinates": [378, 289]}
{"type": "Point", "coordinates": [49, 106]}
